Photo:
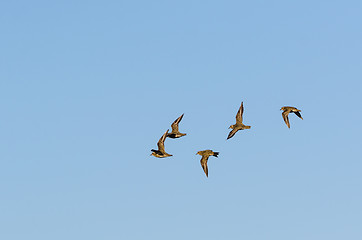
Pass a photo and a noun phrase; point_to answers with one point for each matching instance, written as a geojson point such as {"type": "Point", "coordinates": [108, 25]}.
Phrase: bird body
{"type": "Point", "coordinates": [239, 122]}
{"type": "Point", "coordinates": [286, 110]}
{"type": "Point", "coordinates": [161, 153]}
{"type": "Point", "coordinates": [205, 157]}
{"type": "Point", "coordinates": [175, 132]}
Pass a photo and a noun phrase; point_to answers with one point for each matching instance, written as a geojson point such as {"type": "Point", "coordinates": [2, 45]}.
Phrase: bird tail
{"type": "Point", "coordinates": [216, 154]}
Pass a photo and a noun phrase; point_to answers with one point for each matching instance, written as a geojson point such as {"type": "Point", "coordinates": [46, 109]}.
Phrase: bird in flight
{"type": "Point", "coordinates": [287, 110]}
{"type": "Point", "coordinates": [161, 153]}
{"type": "Point", "coordinates": [175, 132]}
{"type": "Point", "coordinates": [239, 123]}
{"type": "Point", "coordinates": [205, 156]}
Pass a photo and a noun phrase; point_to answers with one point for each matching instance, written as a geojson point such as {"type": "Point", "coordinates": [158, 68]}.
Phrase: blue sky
{"type": "Point", "coordinates": [87, 88]}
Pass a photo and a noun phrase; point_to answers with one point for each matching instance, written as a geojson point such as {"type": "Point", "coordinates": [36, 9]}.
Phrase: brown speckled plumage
{"type": "Point", "coordinates": [205, 157]}
{"type": "Point", "coordinates": [239, 122]}
{"type": "Point", "coordinates": [175, 132]}
{"type": "Point", "coordinates": [286, 110]}
{"type": "Point", "coordinates": [161, 153]}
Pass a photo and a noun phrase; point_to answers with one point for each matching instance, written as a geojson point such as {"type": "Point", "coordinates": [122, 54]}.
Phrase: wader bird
{"type": "Point", "coordinates": [175, 132]}
{"type": "Point", "coordinates": [160, 153]}
{"type": "Point", "coordinates": [205, 156]}
{"type": "Point", "coordinates": [239, 122]}
{"type": "Point", "coordinates": [287, 110]}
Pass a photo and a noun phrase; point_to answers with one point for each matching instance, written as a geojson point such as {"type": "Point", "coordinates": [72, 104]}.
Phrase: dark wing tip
{"type": "Point", "coordinates": [231, 134]}
{"type": "Point", "coordinates": [298, 114]}
{"type": "Point", "coordinates": [179, 119]}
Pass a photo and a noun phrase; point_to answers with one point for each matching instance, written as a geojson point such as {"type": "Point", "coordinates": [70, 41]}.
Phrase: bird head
{"type": "Point", "coordinates": [231, 126]}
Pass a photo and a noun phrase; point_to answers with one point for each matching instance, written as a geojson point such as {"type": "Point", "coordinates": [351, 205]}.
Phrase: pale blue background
{"type": "Point", "coordinates": [88, 87]}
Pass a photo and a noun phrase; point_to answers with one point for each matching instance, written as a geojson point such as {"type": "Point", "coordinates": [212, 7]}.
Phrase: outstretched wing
{"type": "Point", "coordinates": [285, 117]}
{"type": "Point", "coordinates": [160, 144]}
{"type": "Point", "coordinates": [203, 162]}
{"type": "Point", "coordinates": [298, 114]}
{"type": "Point", "coordinates": [232, 133]}
{"type": "Point", "coordinates": [174, 125]}
{"type": "Point", "coordinates": [239, 115]}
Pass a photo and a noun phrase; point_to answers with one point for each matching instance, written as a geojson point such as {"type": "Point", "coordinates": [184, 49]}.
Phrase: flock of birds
{"type": "Point", "coordinates": [175, 133]}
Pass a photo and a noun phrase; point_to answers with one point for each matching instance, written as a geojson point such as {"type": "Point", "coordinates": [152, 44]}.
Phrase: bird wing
{"type": "Point", "coordinates": [298, 114]}
{"type": "Point", "coordinates": [285, 117]}
{"type": "Point", "coordinates": [239, 115]}
{"type": "Point", "coordinates": [160, 143]}
{"type": "Point", "coordinates": [174, 125]}
{"type": "Point", "coordinates": [232, 133]}
{"type": "Point", "coordinates": [203, 162]}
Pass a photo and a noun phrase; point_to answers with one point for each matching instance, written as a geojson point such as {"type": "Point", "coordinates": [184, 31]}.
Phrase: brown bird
{"type": "Point", "coordinates": [175, 132]}
{"type": "Point", "coordinates": [239, 122]}
{"type": "Point", "coordinates": [160, 153]}
{"type": "Point", "coordinates": [205, 156]}
{"type": "Point", "coordinates": [287, 110]}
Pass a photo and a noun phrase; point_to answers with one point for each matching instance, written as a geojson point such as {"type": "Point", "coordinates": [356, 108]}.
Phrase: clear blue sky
{"type": "Point", "coordinates": [88, 87]}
